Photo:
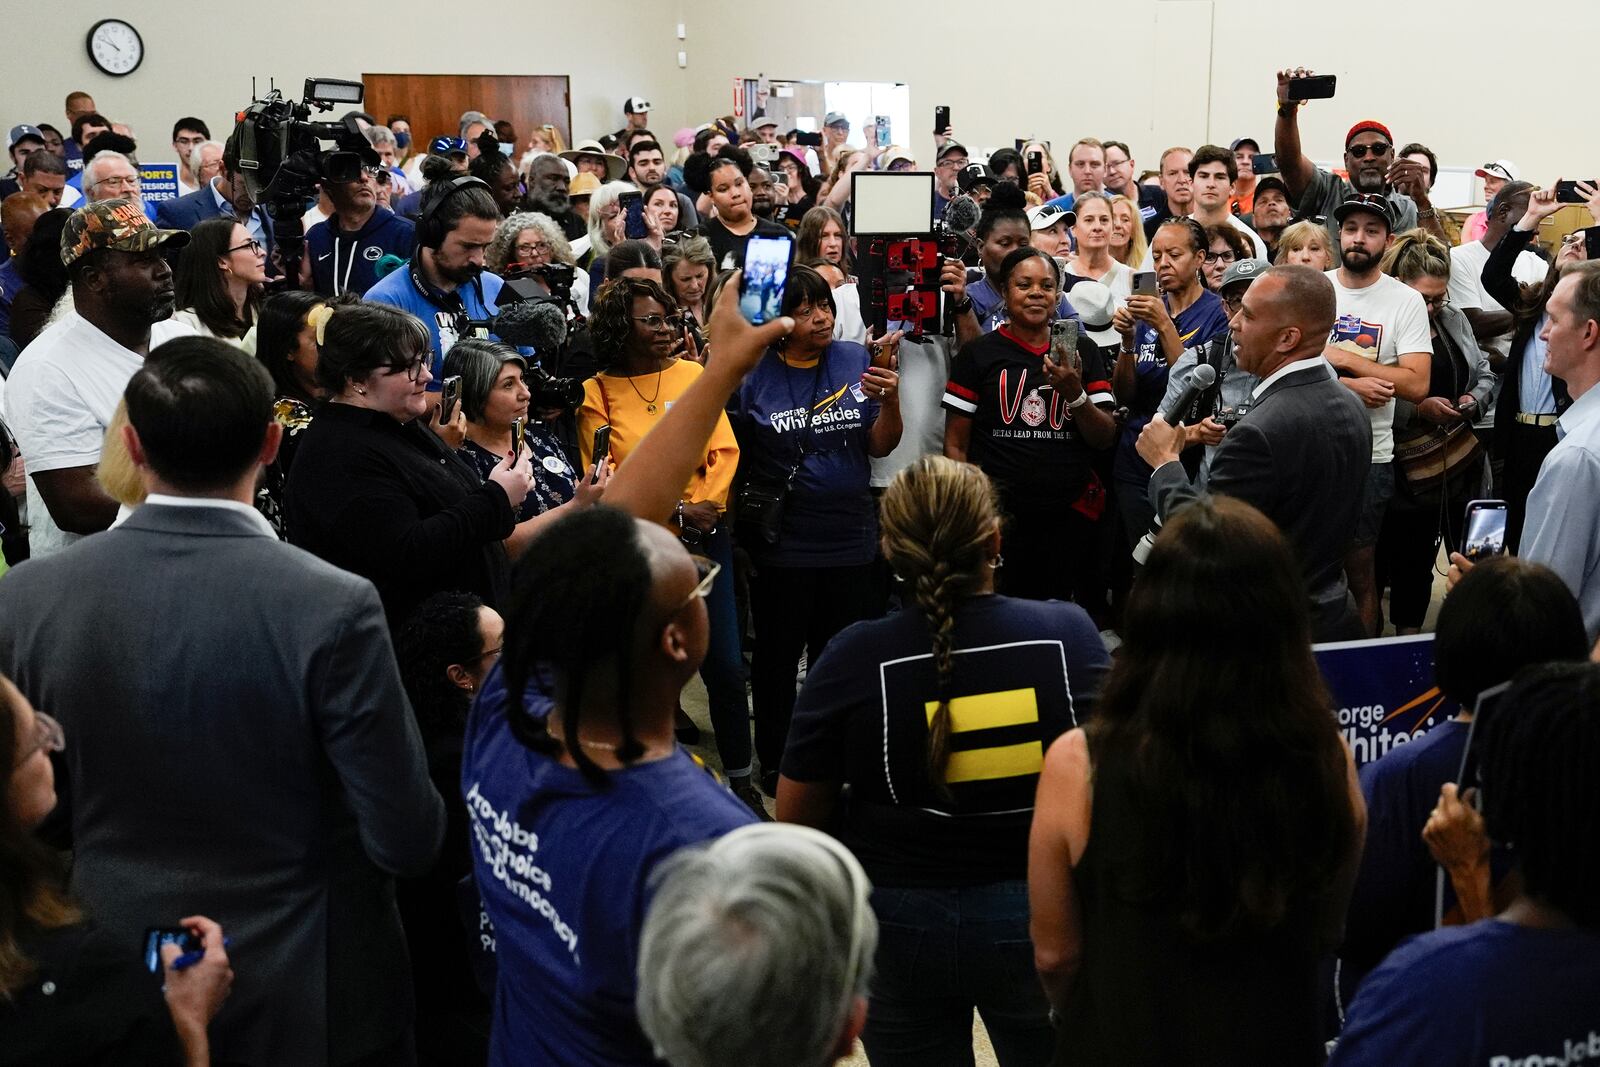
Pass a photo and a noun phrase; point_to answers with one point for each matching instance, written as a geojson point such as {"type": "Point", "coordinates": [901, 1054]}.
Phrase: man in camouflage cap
{"type": "Point", "coordinates": [66, 384]}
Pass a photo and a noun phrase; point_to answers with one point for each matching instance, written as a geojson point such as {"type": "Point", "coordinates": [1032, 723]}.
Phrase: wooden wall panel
{"type": "Point", "coordinates": [434, 102]}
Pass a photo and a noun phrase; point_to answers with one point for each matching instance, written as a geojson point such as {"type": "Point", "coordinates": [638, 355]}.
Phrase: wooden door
{"type": "Point", "coordinates": [434, 102]}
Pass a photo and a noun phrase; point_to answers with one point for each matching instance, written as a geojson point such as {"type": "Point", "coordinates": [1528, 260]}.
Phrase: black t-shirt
{"type": "Point", "coordinates": [1024, 672]}
{"type": "Point", "coordinates": [1023, 434]}
{"type": "Point", "coordinates": [728, 247]}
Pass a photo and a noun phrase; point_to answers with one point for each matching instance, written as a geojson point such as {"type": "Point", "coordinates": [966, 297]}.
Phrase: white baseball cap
{"type": "Point", "coordinates": [1500, 168]}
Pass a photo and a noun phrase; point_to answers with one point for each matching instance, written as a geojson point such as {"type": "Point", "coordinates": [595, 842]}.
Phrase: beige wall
{"type": "Point", "coordinates": [1153, 76]}
{"type": "Point", "coordinates": [199, 57]}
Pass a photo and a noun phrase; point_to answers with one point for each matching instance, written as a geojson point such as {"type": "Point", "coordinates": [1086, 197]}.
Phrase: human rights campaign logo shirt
{"type": "Point", "coordinates": [819, 415]}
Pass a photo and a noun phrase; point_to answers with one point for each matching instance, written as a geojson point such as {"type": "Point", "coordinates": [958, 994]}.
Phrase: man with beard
{"type": "Point", "coordinates": [1382, 349]}
{"type": "Point", "coordinates": [762, 204]}
{"type": "Point", "coordinates": [1273, 212]}
{"type": "Point", "coordinates": [547, 192]}
{"type": "Point", "coordinates": [65, 387]}
{"type": "Point", "coordinates": [1370, 161]}
{"type": "Point", "coordinates": [445, 284]}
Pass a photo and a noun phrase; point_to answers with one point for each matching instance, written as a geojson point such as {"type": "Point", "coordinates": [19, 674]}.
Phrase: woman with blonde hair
{"type": "Point", "coordinates": [1128, 245]}
{"type": "Point", "coordinates": [1093, 259]}
{"type": "Point", "coordinates": [1306, 244]}
{"type": "Point", "coordinates": [1431, 496]}
{"type": "Point", "coordinates": [937, 813]}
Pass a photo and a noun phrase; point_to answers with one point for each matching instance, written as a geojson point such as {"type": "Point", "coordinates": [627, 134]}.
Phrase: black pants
{"type": "Point", "coordinates": [1526, 447]}
{"type": "Point", "coordinates": [794, 610]}
{"type": "Point", "coordinates": [1408, 547]}
{"type": "Point", "coordinates": [1049, 556]}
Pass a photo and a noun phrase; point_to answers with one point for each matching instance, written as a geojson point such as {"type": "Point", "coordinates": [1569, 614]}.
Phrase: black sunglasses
{"type": "Point", "coordinates": [1361, 151]}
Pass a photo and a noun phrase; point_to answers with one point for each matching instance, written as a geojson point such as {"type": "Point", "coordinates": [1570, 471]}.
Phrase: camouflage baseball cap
{"type": "Point", "coordinates": [118, 224]}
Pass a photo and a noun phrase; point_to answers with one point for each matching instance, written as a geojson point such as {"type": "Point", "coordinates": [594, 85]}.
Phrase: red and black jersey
{"type": "Point", "coordinates": [1023, 434]}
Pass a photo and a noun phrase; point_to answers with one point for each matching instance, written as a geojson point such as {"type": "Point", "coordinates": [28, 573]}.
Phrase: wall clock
{"type": "Point", "coordinates": [115, 47]}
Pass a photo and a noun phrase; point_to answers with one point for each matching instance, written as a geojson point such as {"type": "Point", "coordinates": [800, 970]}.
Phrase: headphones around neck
{"type": "Point", "coordinates": [431, 230]}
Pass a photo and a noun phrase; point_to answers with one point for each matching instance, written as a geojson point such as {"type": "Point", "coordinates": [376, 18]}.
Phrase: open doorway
{"type": "Point", "coordinates": [804, 105]}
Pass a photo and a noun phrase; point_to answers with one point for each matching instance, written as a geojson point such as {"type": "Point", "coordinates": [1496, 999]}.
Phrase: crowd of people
{"type": "Point", "coordinates": [356, 580]}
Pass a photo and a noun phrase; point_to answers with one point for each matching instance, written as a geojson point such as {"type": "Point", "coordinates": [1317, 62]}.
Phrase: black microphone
{"type": "Point", "coordinates": [961, 213]}
{"type": "Point", "coordinates": [1200, 379]}
{"type": "Point", "coordinates": [537, 324]}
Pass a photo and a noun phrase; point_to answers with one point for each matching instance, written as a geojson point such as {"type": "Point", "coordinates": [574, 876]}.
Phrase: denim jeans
{"type": "Point", "coordinates": [723, 668]}
{"type": "Point", "coordinates": [942, 953]}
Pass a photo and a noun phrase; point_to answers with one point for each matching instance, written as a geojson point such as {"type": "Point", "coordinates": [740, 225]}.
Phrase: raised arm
{"type": "Point", "coordinates": [1295, 169]}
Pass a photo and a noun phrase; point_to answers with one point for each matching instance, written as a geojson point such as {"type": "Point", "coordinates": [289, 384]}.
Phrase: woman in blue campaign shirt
{"type": "Point", "coordinates": [570, 812]}
{"type": "Point", "coordinates": [1002, 229]}
{"type": "Point", "coordinates": [1522, 988]}
{"type": "Point", "coordinates": [1154, 334]}
{"type": "Point", "coordinates": [808, 418]}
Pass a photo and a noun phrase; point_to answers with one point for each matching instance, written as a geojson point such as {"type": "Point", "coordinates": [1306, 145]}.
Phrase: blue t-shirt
{"type": "Point", "coordinates": [347, 263]}
{"type": "Point", "coordinates": [1197, 323]}
{"type": "Point", "coordinates": [441, 312]}
{"type": "Point", "coordinates": [1492, 994]}
{"type": "Point", "coordinates": [990, 308]}
{"type": "Point", "coordinates": [563, 868]}
{"type": "Point", "coordinates": [829, 517]}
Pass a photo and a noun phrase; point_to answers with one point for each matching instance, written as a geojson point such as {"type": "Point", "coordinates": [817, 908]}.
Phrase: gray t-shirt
{"type": "Point", "coordinates": [1327, 191]}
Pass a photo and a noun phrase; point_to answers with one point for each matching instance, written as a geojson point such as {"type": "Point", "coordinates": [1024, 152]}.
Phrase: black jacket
{"type": "Point", "coordinates": [390, 502]}
{"type": "Point", "coordinates": [1499, 283]}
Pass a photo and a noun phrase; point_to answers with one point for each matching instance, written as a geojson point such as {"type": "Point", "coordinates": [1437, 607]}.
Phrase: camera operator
{"type": "Point", "coordinates": [342, 252]}
{"type": "Point", "coordinates": [530, 244]}
{"type": "Point", "coordinates": [1301, 453]}
{"type": "Point", "coordinates": [445, 284]}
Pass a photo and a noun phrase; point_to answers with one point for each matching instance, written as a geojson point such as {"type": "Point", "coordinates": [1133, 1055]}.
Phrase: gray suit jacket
{"type": "Point", "coordinates": [1300, 455]}
{"type": "Point", "coordinates": [238, 746]}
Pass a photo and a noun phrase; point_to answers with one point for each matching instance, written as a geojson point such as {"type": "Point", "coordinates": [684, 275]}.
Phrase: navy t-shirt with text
{"type": "Point", "coordinates": [1197, 323]}
{"type": "Point", "coordinates": [829, 516]}
{"type": "Point", "coordinates": [563, 868]}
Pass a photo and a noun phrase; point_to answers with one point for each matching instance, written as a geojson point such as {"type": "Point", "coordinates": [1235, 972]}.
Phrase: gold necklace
{"type": "Point", "coordinates": [649, 401]}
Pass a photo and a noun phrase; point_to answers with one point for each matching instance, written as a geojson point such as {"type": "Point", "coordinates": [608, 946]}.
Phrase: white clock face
{"type": "Point", "coordinates": [115, 47]}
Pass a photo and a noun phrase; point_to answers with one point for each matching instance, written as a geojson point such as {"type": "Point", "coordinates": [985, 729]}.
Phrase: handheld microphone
{"type": "Point", "coordinates": [961, 213]}
{"type": "Point", "coordinates": [1200, 379]}
{"type": "Point", "coordinates": [537, 324]}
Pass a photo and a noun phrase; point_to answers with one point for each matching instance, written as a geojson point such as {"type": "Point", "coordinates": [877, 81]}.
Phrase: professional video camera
{"type": "Point", "coordinates": [282, 159]}
{"type": "Point", "coordinates": [557, 279]}
{"type": "Point", "coordinates": [530, 319]}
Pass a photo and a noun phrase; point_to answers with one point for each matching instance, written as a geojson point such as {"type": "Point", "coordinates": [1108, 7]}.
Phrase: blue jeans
{"type": "Point", "coordinates": [723, 668]}
{"type": "Point", "coordinates": [942, 953]}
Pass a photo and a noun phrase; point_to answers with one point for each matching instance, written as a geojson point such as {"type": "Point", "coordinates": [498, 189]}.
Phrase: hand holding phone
{"type": "Point", "coordinates": [449, 394]}
{"type": "Point", "coordinates": [634, 226]}
{"type": "Point", "coordinates": [517, 425]}
{"type": "Point", "coordinates": [1569, 193]}
{"type": "Point", "coordinates": [1264, 163]}
{"type": "Point", "coordinates": [766, 274]}
{"type": "Point", "coordinates": [1486, 530]}
{"type": "Point", "coordinates": [1312, 87]}
{"type": "Point", "coordinates": [600, 454]}
{"type": "Point", "coordinates": [941, 119]}
{"type": "Point", "coordinates": [197, 979]}
{"type": "Point", "coordinates": [1145, 283]}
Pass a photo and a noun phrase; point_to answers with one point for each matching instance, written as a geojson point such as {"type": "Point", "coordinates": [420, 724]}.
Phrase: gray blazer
{"type": "Point", "coordinates": [238, 746]}
{"type": "Point", "coordinates": [1300, 455]}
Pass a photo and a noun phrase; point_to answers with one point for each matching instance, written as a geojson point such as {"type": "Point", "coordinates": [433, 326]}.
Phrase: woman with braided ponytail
{"type": "Point", "coordinates": [938, 718]}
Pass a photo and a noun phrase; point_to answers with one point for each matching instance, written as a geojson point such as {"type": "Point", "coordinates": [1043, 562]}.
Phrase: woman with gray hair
{"type": "Point", "coordinates": [529, 240]}
{"type": "Point", "coordinates": [494, 394]}
{"type": "Point", "coordinates": [757, 951]}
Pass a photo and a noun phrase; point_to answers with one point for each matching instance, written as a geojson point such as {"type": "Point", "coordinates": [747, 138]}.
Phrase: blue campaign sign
{"type": "Point", "coordinates": [158, 181]}
{"type": "Point", "coordinates": [1383, 691]}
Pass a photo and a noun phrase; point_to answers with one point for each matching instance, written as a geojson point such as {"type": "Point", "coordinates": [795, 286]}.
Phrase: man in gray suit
{"type": "Point", "coordinates": [1300, 454]}
{"type": "Point", "coordinates": [240, 744]}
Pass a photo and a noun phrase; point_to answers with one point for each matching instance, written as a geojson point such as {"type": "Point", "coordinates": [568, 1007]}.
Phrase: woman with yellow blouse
{"type": "Point", "coordinates": [638, 337]}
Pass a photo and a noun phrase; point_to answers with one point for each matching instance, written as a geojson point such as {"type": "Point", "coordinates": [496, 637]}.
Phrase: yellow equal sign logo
{"type": "Point", "coordinates": [987, 711]}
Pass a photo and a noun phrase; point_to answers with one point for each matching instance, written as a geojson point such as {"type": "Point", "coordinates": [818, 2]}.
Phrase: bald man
{"type": "Point", "coordinates": [1300, 453]}
{"type": "Point", "coordinates": [18, 213]}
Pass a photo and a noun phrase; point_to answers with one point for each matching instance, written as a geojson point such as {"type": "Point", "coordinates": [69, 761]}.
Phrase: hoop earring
{"type": "Point", "coordinates": [997, 562]}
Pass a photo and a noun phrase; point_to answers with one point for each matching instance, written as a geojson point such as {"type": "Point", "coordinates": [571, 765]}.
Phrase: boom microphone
{"type": "Point", "coordinates": [1200, 379]}
{"type": "Point", "coordinates": [537, 324]}
{"type": "Point", "coordinates": [961, 213]}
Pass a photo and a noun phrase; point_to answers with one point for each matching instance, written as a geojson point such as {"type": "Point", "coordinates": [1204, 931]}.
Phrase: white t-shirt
{"type": "Point", "coordinates": [924, 372]}
{"type": "Point", "coordinates": [1119, 279]}
{"type": "Point", "coordinates": [59, 400]}
{"type": "Point", "coordinates": [847, 323]}
{"type": "Point", "coordinates": [1466, 283]}
{"type": "Point", "coordinates": [1382, 322]}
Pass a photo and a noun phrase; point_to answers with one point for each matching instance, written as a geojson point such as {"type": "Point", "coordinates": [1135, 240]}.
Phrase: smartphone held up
{"type": "Point", "coordinates": [766, 272]}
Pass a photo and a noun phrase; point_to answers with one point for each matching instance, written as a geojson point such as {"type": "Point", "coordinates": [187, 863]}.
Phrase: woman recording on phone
{"type": "Point", "coordinates": [495, 399]}
{"type": "Point", "coordinates": [1011, 377]}
{"type": "Point", "coordinates": [809, 418]}
{"type": "Point", "coordinates": [376, 491]}
{"type": "Point", "coordinates": [638, 339]}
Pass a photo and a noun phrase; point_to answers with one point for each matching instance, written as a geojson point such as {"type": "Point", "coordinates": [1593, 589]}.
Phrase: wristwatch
{"type": "Point", "coordinates": [963, 305]}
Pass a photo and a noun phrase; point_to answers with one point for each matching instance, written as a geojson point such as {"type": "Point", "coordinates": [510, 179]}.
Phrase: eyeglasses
{"type": "Point", "coordinates": [48, 737]}
{"type": "Point", "coordinates": [1227, 256]}
{"type": "Point", "coordinates": [538, 249]}
{"type": "Point", "coordinates": [1437, 302]}
{"type": "Point", "coordinates": [1233, 301]}
{"type": "Point", "coordinates": [708, 569]}
{"type": "Point", "coordinates": [253, 245]}
{"type": "Point", "coordinates": [1361, 151]}
{"type": "Point", "coordinates": [484, 655]}
{"type": "Point", "coordinates": [412, 370]}
{"type": "Point", "coordinates": [130, 181]}
{"type": "Point", "coordinates": [657, 322]}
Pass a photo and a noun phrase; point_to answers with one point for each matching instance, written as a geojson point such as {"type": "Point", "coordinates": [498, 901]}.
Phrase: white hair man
{"type": "Point", "coordinates": [110, 176]}
{"type": "Point", "coordinates": [757, 951]}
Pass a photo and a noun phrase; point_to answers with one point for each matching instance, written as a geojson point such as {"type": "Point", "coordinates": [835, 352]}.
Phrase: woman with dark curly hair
{"type": "Point", "coordinates": [637, 333]}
